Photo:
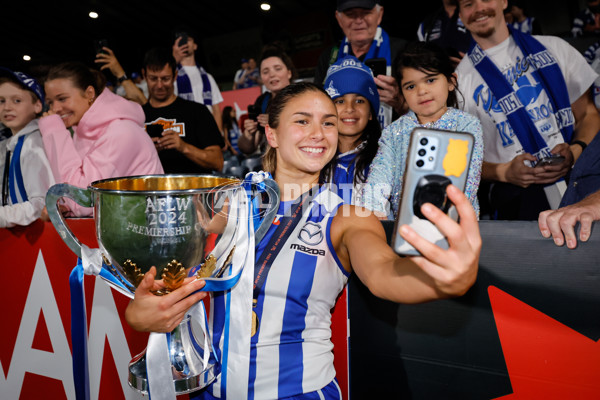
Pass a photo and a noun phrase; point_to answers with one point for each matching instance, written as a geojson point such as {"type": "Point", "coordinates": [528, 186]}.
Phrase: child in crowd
{"type": "Point", "coordinates": [231, 130]}
{"type": "Point", "coordinates": [428, 84]}
{"type": "Point", "coordinates": [26, 172]}
{"type": "Point", "coordinates": [108, 138]}
{"type": "Point", "coordinates": [350, 85]}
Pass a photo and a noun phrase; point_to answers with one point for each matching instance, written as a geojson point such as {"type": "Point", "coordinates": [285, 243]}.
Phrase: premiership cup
{"type": "Point", "coordinates": [172, 222]}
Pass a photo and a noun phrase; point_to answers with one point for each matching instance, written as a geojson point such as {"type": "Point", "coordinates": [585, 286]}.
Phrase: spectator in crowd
{"type": "Point", "coordinates": [587, 21]}
{"type": "Point", "coordinates": [351, 86]}
{"type": "Point", "coordinates": [108, 61]}
{"type": "Point", "coordinates": [445, 28]}
{"type": "Point", "coordinates": [584, 177]}
{"type": "Point", "coordinates": [366, 40]}
{"type": "Point", "coordinates": [26, 172]}
{"type": "Point", "coordinates": [528, 114]}
{"type": "Point", "coordinates": [232, 130]}
{"type": "Point", "coordinates": [140, 82]}
{"type": "Point", "coordinates": [184, 133]}
{"type": "Point", "coordinates": [276, 71]}
{"type": "Point", "coordinates": [254, 74]}
{"type": "Point", "coordinates": [592, 56]}
{"type": "Point", "coordinates": [240, 75]}
{"type": "Point", "coordinates": [247, 76]}
{"type": "Point", "coordinates": [560, 224]}
{"type": "Point", "coordinates": [108, 135]}
{"type": "Point", "coordinates": [426, 76]}
{"type": "Point", "coordinates": [303, 115]}
{"type": "Point", "coordinates": [522, 22]}
{"type": "Point", "coordinates": [193, 82]}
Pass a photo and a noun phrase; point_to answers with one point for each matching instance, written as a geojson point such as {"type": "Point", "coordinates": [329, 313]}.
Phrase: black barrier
{"type": "Point", "coordinates": [451, 349]}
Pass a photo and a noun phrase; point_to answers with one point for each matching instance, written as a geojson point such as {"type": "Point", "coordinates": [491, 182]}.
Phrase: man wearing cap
{"type": "Point", "coordinates": [193, 82]}
{"type": "Point", "coordinates": [238, 78]}
{"type": "Point", "coordinates": [26, 172]}
{"type": "Point", "coordinates": [246, 76]}
{"type": "Point", "coordinates": [366, 40]}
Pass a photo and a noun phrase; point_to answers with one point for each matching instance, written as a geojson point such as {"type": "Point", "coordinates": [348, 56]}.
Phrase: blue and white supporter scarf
{"type": "Point", "coordinates": [16, 185]}
{"type": "Point", "coordinates": [380, 47]}
{"type": "Point", "coordinates": [184, 86]}
{"type": "Point", "coordinates": [546, 71]}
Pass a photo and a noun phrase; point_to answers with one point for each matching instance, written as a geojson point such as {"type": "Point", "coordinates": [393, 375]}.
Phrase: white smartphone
{"type": "Point", "coordinates": [436, 158]}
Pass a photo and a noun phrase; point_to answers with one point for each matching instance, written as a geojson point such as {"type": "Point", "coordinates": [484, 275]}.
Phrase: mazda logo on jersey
{"type": "Point", "coordinates": [311, 234]}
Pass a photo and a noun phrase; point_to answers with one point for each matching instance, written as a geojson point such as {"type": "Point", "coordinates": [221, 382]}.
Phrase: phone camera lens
{"type": "Point", "coordinates": [420, 163]}
{"type": "Point", "coordinates": [422, 152]}
{"type": "Point", "coordinates": [424, 141]}
{"type": "Point", "coordinates": [432, 148]}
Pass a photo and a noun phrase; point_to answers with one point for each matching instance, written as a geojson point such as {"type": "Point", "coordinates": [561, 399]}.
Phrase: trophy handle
{"type": "Point", "coordinates": [272, 190]}
{"type": "Point", "coordinates": [80, 196]}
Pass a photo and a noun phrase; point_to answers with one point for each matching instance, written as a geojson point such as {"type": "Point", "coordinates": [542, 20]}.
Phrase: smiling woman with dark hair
{"type": "Point", "coordinates": [287, 350]}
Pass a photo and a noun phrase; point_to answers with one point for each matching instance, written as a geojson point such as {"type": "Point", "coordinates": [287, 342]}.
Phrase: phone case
{"type": "Point", "coordinates": [436, 158]}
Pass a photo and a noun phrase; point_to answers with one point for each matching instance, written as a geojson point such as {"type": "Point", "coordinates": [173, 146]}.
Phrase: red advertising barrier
{"type": "Point", "coordinates": [240, 99]}
{"type": "Point", "coordinates": [36, 349]}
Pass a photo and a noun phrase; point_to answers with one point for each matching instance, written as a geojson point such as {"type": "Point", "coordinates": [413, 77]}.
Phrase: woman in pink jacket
{"type": "Point", "coordinates": [108, 137]}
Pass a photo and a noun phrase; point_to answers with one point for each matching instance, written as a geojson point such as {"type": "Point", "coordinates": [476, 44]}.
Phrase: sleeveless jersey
{"type": "Point", "coordinates": [291, 353]}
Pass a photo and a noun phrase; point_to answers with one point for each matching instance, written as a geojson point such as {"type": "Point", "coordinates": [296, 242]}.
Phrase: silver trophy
{"type": "Point", "coordinates": [172, 222]}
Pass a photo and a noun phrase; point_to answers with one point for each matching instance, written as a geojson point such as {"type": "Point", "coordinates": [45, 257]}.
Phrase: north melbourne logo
{"type": "Point", "coordinates": [331, 90]}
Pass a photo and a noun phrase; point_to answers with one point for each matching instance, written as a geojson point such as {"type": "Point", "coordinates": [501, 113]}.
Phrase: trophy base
{"type": "Point", "coordinates": [189, 372]}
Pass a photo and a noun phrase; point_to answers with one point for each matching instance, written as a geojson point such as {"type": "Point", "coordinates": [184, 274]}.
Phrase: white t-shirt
{"type": "Point", "coordinates": [500, 142]}
{"type": "Point", "coordinates": [193, 74]}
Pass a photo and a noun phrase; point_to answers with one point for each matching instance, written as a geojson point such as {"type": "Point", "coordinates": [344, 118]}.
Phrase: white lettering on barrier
{"type": "Point", "coordinates": [40, 299]}
{"type": "Point", "coordinates": [105, 323]}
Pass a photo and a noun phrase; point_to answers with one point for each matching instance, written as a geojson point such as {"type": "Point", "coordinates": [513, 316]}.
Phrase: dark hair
{"type": "Point", "coordinates": [274, 110]}
{"type": "Point", "coordinates": [20, 85]}
{"type": "Point", "coordinates": [81, 76]}
{"type": "Point", "coordinates": [276, 51]}
{"type": "Point", "coordinates": [429, 58]}
{"type": "Point", "coordinates": [227, 119]}
{"type": "Point", "coordinates": [365, 156]}
{"type": "Point", "coordinates": [191, 32]}
{"type": "Point", "coordinates": [156, 59]}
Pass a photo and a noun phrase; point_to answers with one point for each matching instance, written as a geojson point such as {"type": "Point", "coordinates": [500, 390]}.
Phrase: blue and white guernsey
{"type": "Point", "coordinates": [291, 353]}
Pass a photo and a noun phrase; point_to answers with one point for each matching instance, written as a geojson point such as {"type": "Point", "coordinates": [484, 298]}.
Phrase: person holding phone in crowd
{"type": "Point", "coordinates": [532, 95]}
{"type": "Point", "coordinates": [108, 138]}
{"type": "Point", "coordinates": [109, 61]}
{"type": "Point", "coordinates": [366, 40]}
{"type": "Point", "coordinates": [276, 71]}
{"type": "Point", "coordinates": [289, 353]}
{"type": "Point", "coordinates": [26, 172]}
{"type": "Point", "coordinates": [193, 82]}
{"type": "Point", "coordinates": [350, 85]}
{"type": "Point", "coordinates": [184, 133]}
{"type": "Point", "coordinates": [428, 84]}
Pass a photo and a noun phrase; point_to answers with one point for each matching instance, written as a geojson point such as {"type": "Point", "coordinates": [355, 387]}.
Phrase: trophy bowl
{"type": "Point", "coordinates": [171, 222]}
